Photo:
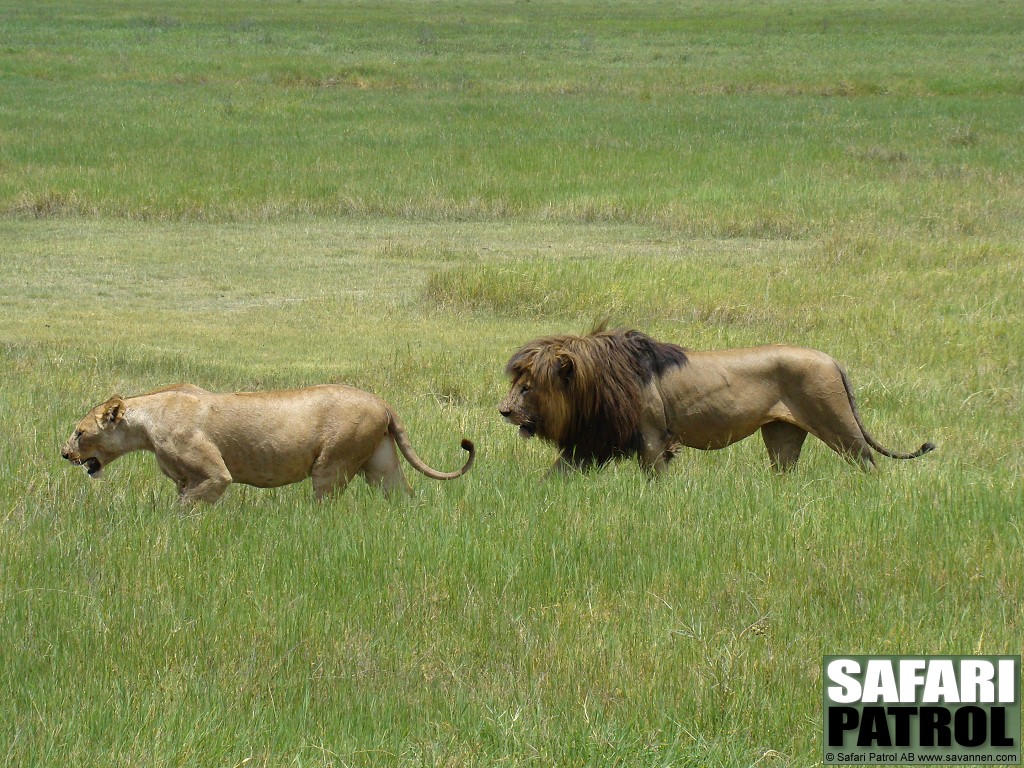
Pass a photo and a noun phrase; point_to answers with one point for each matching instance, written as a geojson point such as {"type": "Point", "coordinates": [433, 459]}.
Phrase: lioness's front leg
{"type": "Point", "coordinates": [208, 490]}
{"type": "Point", "coordinates": [202, 476]}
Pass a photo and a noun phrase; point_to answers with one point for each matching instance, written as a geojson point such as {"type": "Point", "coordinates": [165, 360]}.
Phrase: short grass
{"type": "Point", "coordinates": [738, 119]}
{"type": "Point", "coordinates": [252, 196]}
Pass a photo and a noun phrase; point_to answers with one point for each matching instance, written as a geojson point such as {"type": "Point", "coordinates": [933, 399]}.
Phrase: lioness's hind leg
{"type": "Point", "coordinates": [783, 441]}
{"type": "Point", "coordinates": [384, 471]}
{"type": "Point", "coordinates": [328, 479]}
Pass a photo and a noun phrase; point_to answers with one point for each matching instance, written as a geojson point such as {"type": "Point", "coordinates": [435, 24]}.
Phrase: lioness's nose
{"type": "Point", "coordinates": [65, 453]}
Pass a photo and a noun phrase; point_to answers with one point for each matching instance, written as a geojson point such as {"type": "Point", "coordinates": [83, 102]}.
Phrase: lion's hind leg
{"type": "Point", "coordinates": [846, 439]}
{"type": "Point", "coordinates": [854, 450]}
{"type": "Point", "coordinates": [783, 441]}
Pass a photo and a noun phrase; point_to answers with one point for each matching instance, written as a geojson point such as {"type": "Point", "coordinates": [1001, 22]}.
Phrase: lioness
{"type": "Point", "coordinates": [621, 393]}
{"type": "Point", "coordinates": [204, 441]}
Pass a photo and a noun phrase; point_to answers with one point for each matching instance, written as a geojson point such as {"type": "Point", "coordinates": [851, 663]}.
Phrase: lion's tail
{"type": "Point", "coordinates": [402, 439]}
{"type": "Point", "coordinates": [926, 448]}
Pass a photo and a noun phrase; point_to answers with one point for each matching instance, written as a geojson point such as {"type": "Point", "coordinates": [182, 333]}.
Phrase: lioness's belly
{"type": "Point", "coordinates": [268, 467]}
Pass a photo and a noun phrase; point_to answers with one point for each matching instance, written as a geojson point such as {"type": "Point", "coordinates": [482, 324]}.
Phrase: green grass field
{"type": "Point", "coordinates": [396, 196]}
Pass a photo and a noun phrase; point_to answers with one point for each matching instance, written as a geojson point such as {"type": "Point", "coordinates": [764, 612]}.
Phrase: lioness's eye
{"type": "Point", "coordinates": [78, 433]}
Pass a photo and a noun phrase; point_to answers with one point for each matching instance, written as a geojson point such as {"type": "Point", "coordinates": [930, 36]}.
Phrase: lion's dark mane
{"type": "Point", "coordinates": [602, 377]}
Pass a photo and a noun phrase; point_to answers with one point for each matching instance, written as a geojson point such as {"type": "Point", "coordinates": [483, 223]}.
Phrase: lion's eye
{"type": "Point", "coordinates": [524, 389]}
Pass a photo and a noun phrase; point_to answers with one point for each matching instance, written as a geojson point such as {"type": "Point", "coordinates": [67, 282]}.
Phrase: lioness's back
{"type": "Point", "coordinates": [289, 409]}
{"type": "Point", "coordinates": [285, 415]}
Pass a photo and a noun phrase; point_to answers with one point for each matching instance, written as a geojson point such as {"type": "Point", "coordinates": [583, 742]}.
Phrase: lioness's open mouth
{"type": "Point", "coordinates": [93, 466]}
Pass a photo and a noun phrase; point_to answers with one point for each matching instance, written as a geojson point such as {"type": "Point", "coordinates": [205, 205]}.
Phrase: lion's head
{"type": "Point", "coordinates": [95, 442]}
{"type": "Point", "coordinates": [585, 393]}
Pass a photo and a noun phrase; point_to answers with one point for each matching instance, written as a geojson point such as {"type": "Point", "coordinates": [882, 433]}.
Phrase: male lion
{"type": "Point", "coordinates": [617, 393]}
{"type": "Point", "coordinates": [204, 441]}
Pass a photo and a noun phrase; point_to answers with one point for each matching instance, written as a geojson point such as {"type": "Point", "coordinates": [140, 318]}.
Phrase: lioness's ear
{"type": "Point", "coordinates": [113, 411]}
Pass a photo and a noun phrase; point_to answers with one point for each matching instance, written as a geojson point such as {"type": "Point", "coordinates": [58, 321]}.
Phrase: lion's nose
{"type": "Point", "coordinates": [506, 412]}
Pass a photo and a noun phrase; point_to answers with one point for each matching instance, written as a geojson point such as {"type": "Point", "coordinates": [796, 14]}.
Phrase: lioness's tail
{"type": "Point", "coordinates": [398, 433]}
{"type": "Point", "coordinates": [926, 448]}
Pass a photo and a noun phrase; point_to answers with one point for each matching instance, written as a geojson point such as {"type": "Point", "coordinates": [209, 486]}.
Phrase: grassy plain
{"type": "Point", "coordinates": [395, 196]}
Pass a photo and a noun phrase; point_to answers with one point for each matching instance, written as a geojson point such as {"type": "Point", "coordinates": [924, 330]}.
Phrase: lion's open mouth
{"type": "Point", "coordinates": [527, 430]}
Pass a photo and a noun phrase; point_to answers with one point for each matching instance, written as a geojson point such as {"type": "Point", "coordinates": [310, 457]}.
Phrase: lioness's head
{"type": "Point", "coordinates": [96, 440]}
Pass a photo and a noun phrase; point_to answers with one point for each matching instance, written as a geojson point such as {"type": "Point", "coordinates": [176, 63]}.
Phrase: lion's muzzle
{"type": "Point", "coordinates": [526, 428]}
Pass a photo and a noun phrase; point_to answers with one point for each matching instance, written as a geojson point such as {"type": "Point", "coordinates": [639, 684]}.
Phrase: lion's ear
{"type": "Point", "coordinates": [565, 367]}
{"type": "Point", "coordinates": [113, 411]}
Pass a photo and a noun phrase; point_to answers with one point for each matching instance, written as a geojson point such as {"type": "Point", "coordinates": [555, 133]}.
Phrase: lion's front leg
{"type": "Point", "coordinates": [657, 447]}
{"type": "Point", "coordinates": [657, 444]}
{"type": "Point", "coordinates": [567, 464]}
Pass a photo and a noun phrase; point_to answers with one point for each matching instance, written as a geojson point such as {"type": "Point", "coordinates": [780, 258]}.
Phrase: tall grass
{"type": "Point", "coordinates": [498, 618]}
{"type": "Point", "coordinates": [255, 196]}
